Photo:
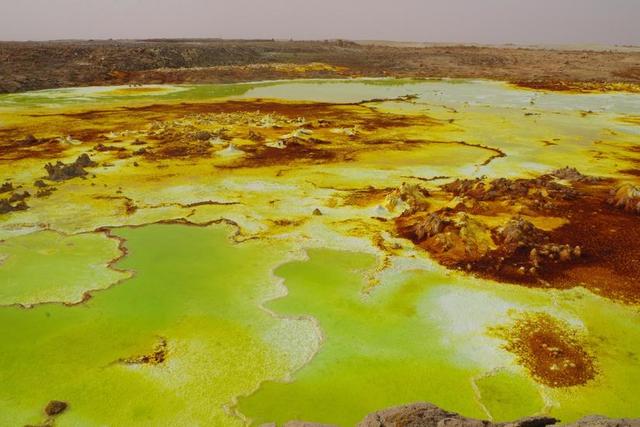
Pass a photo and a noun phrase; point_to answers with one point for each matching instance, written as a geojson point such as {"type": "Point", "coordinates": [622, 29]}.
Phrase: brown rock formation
{"type": "Point", "coordinates": [589, 248]}
{"type": "Point", "coordinates": [55, 407]}
{"type": "Point", "coordinates": [62, 172]}
{"type": "Point", "coordinates": [626, 197]}
{"type": "Point", "coordinates": [429, 415]}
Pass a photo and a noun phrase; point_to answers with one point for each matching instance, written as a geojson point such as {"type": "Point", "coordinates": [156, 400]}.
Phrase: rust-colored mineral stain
{"type": "Point", "coordinates": [155, 357]}
{"type": "Point", "coordinates": [632, 172]}
{"type": "Point", "coordinates": [610, 240]}
{"type": "Point", "coordinates": [579, 87]}
{"type": "Point", "coordinates": [320, 146]}
{"type": "Point", "coordinates": [295, 151]}
{"type": "Point", "coordinates": [26, 148]}
{"type": "Point", "coordinates": [553, 353]}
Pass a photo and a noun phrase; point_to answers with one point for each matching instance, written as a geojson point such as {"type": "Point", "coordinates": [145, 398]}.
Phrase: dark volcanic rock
{"type": "Point", "coordinates": [19, 197]}
{"type": "Point", "coordinates": [55, 407]}
{"type": "Point", "coordinates": [45, 192]}
{"type": "Point", "coordinates": [30, 140]}
{"type": "Point", "coordinates": [84, 161]}
{"type": "Point", "coordinates": [202, 136]}
{"type": "Point", "coordinates": [6, 187]}
{"type": "Point", "coordinates": [6, 206]}
{"type": "Point", "coordinates": [61, 171]}
{"type": "Point", "coordinates": [429, 415]}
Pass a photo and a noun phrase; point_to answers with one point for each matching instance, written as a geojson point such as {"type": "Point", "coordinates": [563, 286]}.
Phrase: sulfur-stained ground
{"type": "Point", "coordinates": [318, 250]}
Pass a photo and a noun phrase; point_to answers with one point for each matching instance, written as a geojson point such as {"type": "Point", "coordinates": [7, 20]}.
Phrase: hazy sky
{"type": "Point", "coordinates": [483, 21]}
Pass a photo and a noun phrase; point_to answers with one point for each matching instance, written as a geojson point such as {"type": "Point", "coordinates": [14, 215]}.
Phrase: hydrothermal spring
{"type": "Point", "coordinates": [244, 254]}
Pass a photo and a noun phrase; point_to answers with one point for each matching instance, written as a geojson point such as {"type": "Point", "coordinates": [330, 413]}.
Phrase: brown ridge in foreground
{"type": "Point", "coordinates": [429, 415]}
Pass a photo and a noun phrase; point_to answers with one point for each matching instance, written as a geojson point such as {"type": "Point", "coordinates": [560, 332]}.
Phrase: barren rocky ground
{"type": "Point", "coordinates": [41, 65]}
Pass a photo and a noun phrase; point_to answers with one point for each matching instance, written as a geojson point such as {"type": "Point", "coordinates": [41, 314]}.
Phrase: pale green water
{"type": "Point", "coordinates": [191, 287]}
{"type": "Point", "coordinates": [431, 92]}
{"type": "Point", "coordinates": [424, 337]}
{"type": "Point", "coordinates": [377, 353]}
{"type": "Point", "coordinates": [67, 267]}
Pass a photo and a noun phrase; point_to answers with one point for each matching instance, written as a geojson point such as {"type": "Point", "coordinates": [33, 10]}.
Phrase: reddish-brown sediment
{"type": "Point", "coordinates": [319, 146]}
{"type": "Point", "coordinates": [157, 356]}
{"type": "Point", "coordinates": [610, 241]}
{"type": "Point", "coordinates": [184, 141]}
{"type": "Point", "coordinates": [553, 353]}
{"type": "Point", "coordinates": [25, 147]}
{"type": "Point", "coordinates": [356, 114]}
{"type": "Point", "coordinates": [579, 87]}
{"type": "Point", "coordinates": [296, 150]}
{"type": "Point", "coordinates": [598, 247]}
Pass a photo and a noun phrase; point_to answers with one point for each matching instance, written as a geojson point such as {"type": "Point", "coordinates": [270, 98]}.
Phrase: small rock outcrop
{"type": "Point", "coordinates": [157, 356]}
{"type": "Point", "coordinates": [55, 407]}
{"type": "Point", "coordinates": [202, 136]}
{"type": "Point", "coordinates": [6, 206]}
{"type": "Point", "coordinates": [15, 202]}
{"type": "Point", "coordinates": [411, 197]}
{"type": "Point", "coordinates": [19, 197]}
{"type": "Point", "coordinates": [572, 174]}
{"type": "Point", "coordinates": [30, 140]}
{"type": "Point", "coordinates": [62, 172]}
{"type": "Point", "coordinates": [6, 187]}
{"type": "Point", "coordinates": [519, 232]}
{"type": "Point", "coordinates": [626, 197]}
